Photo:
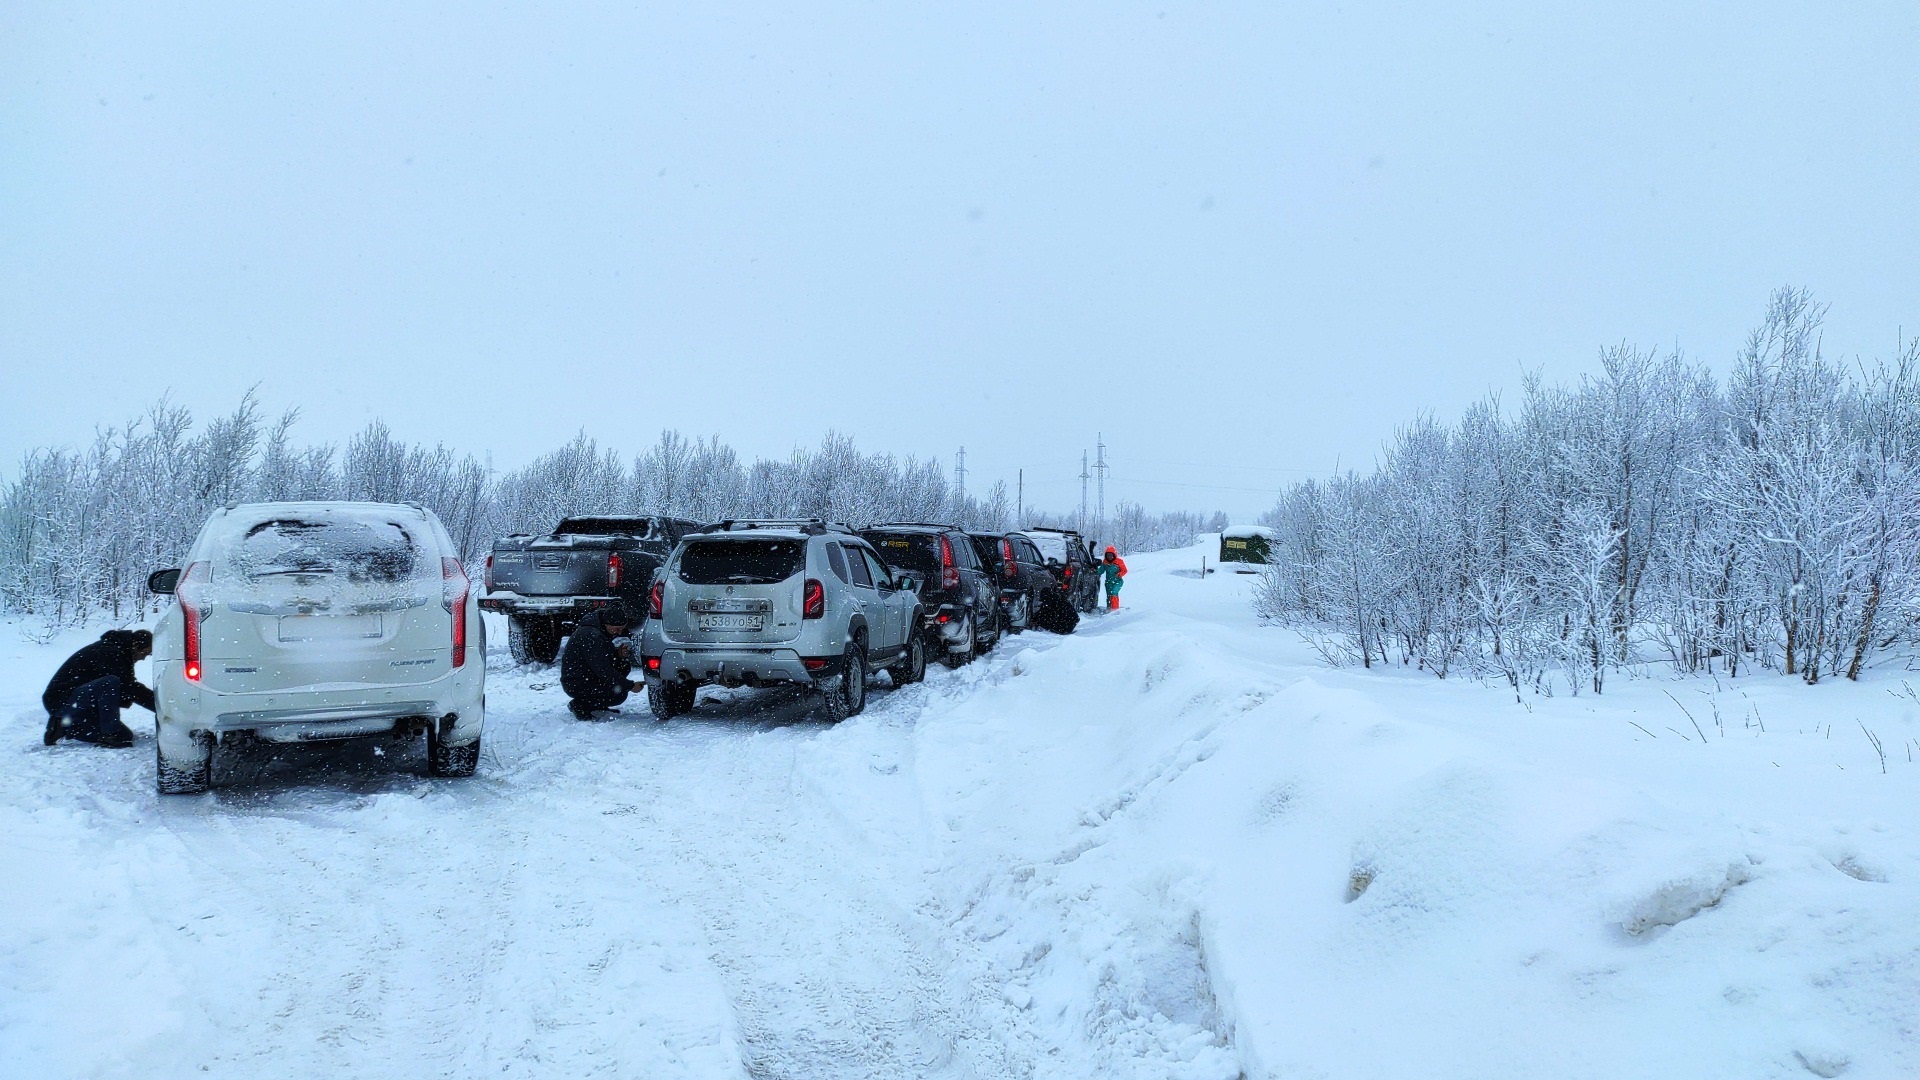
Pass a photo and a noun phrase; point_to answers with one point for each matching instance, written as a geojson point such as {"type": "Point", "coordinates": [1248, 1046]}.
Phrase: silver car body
{"type": "Point", "coordinates": [749, 628]}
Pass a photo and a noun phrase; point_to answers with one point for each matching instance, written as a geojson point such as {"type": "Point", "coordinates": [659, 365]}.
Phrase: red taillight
{"type": "Point", "coordinates": [613, 571]}
{"type": "Point", "coordinates": [1069, 571]}
{"type": "Point", "coordinates": [656, 599]}
{"type": "Point", "coordinates": [816, 663]}
{"type": "Point", "coordinates": [488, 578]}
{"type": "Point", "coordinates": [453, 590]}
{"type": "Point", "coordinates": [191, 614]}
{"type": "Point", "coordinates": [653, 664]}
{"type": "Point", "coordinates": [949, 573]}
{"type": "Point", "coordinates": [813, 600]}
{"type": "Point", "coordinates": [1006, 556]}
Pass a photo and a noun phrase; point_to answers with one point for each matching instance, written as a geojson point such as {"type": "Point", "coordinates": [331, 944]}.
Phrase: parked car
{"type": "Point", "coordinates": [1030, 596]}
{"type": "Point", "coordinates": [760, 603]}
{"type": "Point", "coordinates": [313, 621]}
{"type": "Point", "coordinates": [1072, 564]}
{"type": "Point", "coordinates": [544, 584]}
{"type": "Point", "coordinates": [960, 596]}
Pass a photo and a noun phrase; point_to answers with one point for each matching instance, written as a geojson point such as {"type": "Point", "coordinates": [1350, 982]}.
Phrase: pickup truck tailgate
{"type": "Point", "coordinates": [553, 569]}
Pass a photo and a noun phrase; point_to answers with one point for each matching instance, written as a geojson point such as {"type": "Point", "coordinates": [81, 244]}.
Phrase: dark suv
{"type": "Point", "coordinates": [1072, 564]}
{"type": "Point", "coordinates": [1029, 593]}
{"type": "Point", "coordinates": [961, 596]}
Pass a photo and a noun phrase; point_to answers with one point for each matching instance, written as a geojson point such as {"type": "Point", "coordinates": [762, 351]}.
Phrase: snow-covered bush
{"type": "Point", "coordinates": [1648, 511]}
{"type": "Point", "coordinates": [79, 531]}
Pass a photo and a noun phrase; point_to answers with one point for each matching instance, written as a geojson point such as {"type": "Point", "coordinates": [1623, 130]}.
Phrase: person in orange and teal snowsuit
{"type": "Point", "coordinates": [1113, 573]}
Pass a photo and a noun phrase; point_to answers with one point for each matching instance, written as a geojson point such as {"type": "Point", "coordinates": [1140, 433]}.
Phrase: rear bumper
{"type": "Point", "coordinates": [454, 704]}
{"type": "Point", "coordinates": [738, 665]}
{"type": "Point", "coordinates": [566, 607]}
{"type": "Point", "coordinates": [948, 625]}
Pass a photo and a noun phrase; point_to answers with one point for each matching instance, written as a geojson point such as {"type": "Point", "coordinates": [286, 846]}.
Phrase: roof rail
{"type": "Point", "coordinates": [810, 526]}
{"type": "Point", "coordinates": [917, 524]}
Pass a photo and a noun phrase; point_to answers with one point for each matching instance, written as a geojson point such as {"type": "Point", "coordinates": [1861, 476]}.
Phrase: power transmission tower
{"type": "Point", "coordinates": [1019, 499]}
{"type": "Point", "coordinates": [1084, 477]}
{"type": "Point", "coordinates": [960, 473]}
{"type": "Point", "coordinates": [1100, 466]}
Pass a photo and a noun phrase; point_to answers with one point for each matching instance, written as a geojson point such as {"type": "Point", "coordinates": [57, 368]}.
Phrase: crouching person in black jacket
{"type": "Point", "coordinates": [86, 695]}
{"type": "Point", "coordinates": [593, 671]}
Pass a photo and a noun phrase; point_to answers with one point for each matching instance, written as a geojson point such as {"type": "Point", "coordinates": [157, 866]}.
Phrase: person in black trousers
{"type": "Point", "coordinates": [86, 695]}
{"type": "Point", "coordinates": [593, 671]}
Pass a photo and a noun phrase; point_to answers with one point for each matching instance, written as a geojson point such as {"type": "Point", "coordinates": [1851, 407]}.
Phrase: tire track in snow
{"type": "Point", "coordinates": [831, 971]}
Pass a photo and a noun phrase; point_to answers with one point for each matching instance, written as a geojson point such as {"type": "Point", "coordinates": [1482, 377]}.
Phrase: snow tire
{"type": "Point", "coordinates": [533, 641]}
{"type": "Point", "coordinates": [668, 700]}
{"type": "Point", "coordinates": [445, 760]}
{"type": "Point", "coordinates": [912, 667]}
{"type": "Point", "coordinates": [191, 775]}
{"type": "Point", "coordinates": [850, 696]}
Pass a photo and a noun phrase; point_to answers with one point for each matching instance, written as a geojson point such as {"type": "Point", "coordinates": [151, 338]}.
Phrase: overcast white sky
{"type": "Point", "coordinates": [1260, 234]}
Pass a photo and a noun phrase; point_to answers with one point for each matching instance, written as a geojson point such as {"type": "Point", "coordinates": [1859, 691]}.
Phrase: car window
{"type": "Point", "coordinates": [858, 568]}
{"type": "Point", "coordinates": [989, 551]}
{"type": "Point", "coordinates": [357, 550]}
{"type": "Point", "coordinates": [963, 554]}
{"type": "Point", "coordinates": [639, 528]}
{"type": "Point", "coordinates": [741, 562]}
{"type": "Point", "coordinates": [1050, 546]}
{"type": "Point", "coordinates": [909, 551]}
{"type": "Point", "coordinates": [875, 567]}
{"type": "Point", "coordinates": [837, 560]}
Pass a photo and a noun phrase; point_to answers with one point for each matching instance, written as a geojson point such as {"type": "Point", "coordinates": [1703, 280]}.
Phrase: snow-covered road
{"type": "Point", "coordinates": [1168, 846]}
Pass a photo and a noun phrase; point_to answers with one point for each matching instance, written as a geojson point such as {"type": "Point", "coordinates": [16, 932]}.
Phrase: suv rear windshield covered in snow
{"type": "Point", "coordinates": [741, 562]}
{"type": "Point", "coordinates": [359, 551]}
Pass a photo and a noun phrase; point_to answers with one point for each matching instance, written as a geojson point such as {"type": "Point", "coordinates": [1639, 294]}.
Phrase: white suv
{"type": "Point", "coordinates": [306, 622]}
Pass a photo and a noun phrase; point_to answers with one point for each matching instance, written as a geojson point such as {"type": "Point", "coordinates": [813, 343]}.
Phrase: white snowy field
{"type": "Point", "coordinates": [1172, 845]}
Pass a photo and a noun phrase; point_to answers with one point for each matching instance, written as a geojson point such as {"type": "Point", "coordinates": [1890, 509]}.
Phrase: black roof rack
{"type": "Point", "coordinates": [915, 524]}
{"type": "Point", "coordinates": [809, 526]}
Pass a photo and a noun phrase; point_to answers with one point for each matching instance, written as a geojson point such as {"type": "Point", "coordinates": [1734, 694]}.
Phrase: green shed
{"type": "Point", "coordinates": [1246, 544]}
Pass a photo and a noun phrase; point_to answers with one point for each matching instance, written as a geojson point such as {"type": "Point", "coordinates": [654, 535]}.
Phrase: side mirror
{"type": "Point", "coordinates": [163, 582]}
{"type": "Point", "coordinates": [907, 579]}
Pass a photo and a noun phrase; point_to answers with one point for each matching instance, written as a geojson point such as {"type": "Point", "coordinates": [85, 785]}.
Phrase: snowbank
{"type": "Point", "coordinates": [1172, 845]}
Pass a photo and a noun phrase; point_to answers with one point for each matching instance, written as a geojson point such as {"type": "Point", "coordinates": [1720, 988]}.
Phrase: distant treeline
{"type": "Point", "coordinates": [1772, 521]}
{"type": "Point", "coordinates": [81, 529]}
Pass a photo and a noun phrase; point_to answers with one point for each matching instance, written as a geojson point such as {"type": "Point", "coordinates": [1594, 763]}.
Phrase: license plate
{"type": "Point", "coordinates": [732, 622]}
{"type": "Point", "coordinates": [329, 627]}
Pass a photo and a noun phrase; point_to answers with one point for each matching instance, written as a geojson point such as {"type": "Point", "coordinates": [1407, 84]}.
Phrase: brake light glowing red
{"type": "Point", "coordinates": [653, 663]}
{"type": "Point", "coordinates": [813, 600]}
{"type": "Point", "coordinates": [192, 612]}
{"type": "Point", "coordinates": [613, 571]}
{"type": "Point", "coordinates": [454, 587]}
{"type": "Point", "coordinates": [949, 573]}
{"type": "Point", "coordinates": [656, 599]}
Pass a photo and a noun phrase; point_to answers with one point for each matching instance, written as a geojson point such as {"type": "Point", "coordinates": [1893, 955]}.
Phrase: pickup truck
{"type": "Point", "coordinates": [545, 584]}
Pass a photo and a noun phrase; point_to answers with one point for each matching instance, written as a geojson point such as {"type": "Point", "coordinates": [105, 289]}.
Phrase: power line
{"type": "Point", "coordinates": [1211, 487]}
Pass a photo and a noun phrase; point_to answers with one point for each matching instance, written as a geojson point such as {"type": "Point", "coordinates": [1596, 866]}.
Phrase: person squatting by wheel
{"type": "Point", "coordinates": [593, 670]}
{"type": "Point", "coordinates": [85, 696]}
